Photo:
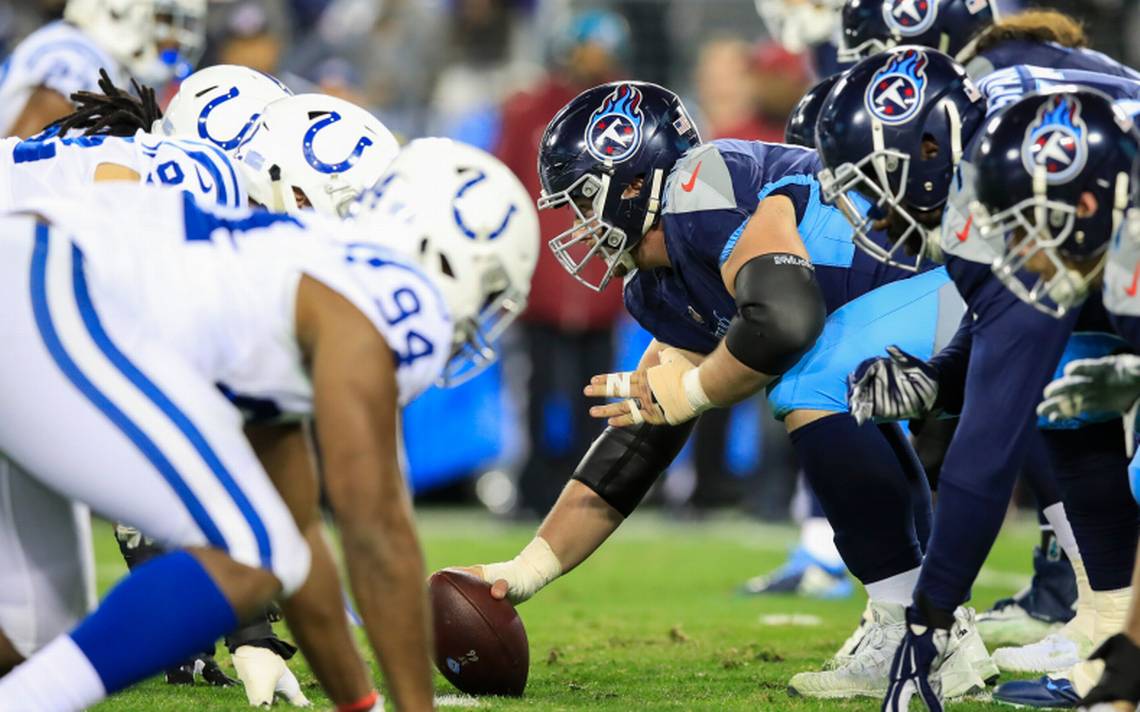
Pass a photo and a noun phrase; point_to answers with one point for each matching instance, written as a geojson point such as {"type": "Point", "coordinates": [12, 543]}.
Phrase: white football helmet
{"type": "Point", "coordinates": [799, 24]}
{"type": "Point", "coordinates": [156, 40]}
{"type": "Point", "coordinates": [472, 227]}
{"type": "Point", "coordinates": [314, 150]}
{"type": "Point", "coordinates": [220, 104]}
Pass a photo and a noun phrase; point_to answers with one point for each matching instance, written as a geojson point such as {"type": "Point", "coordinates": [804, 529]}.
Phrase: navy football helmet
{"type": "Point", "coordinates": [890, 135]}
{"type": "Point", "coordinates": [1037, 165]}
{"type": "Point", "coordinates": [873, 26]}
{"type": "Point", "coordinates": [606, 155]}
{"type": "Point", "coordinates": [800, 129]}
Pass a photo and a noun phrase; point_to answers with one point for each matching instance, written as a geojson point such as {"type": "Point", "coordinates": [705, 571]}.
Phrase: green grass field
{"type": "Point", "coordinates": [651, 622]}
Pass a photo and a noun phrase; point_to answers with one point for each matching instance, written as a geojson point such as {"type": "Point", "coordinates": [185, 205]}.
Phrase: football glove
{"type": "Point", "coordinates": [1110, 384]}
{"type": "Point", "coordinates": [915, 669]}
{"type": "Point", "coordinates": [265, 674]}
{"type": "Point", "coordinates": [896, 387]}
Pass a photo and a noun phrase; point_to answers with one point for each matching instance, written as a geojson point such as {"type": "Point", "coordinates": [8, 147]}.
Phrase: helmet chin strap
{"type": "Point", "coordinates": [654, 201]}
{"type": "Point", "coordinates": [277, 190]}
{"type": "Point", "coordinates": [1120, 200]}
{"type": "Point", "coordinates": [955, 134]}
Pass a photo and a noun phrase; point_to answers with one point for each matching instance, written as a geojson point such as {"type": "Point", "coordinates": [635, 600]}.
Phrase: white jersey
{"type": "Point", "coordinates": [58, 56]}
{"type": "Point", "coordinates": [219, 287]}
{"type": "Point", "coordinates": [36, 168]}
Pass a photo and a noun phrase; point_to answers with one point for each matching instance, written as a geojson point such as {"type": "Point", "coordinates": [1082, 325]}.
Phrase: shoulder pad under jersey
{"type": "Point", "coordinates": [1122, 272]}
{"type": "Point", "coordinates": [196, 167]}
{"type": "Point", "coordinates": [699, 181]}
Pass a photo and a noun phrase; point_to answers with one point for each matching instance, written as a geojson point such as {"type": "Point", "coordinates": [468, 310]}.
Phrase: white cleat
{"type": "Point", "coordinates": [967, 665]}
{"type": "Point", "coordinates": [1012, 624]}
{"type": "Point", "coordinates": [1057, 651]}
{"type": "Point", "coordinates": [844, 653]}
{"type": "Point", "coordinates": [866, 671]}
{"type": "Point", "coordinates": [266, 676]}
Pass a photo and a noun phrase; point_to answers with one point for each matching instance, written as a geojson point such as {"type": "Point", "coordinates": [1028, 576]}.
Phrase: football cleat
{"type": "Point", "coordinates": [967, 666]}
{"type": "Point", "coordinates": [1056, 651]}
{"type": "Point", "coordinates": [845, 651]}
{"type": "Point", "coordinates": [1036, 611]}
{"type": "Point", "coordinates": [1043, 693]}
{"type": "Point", "coordinates": [865, 672]}
{"type": "Point", "coordinates": [205, 667]}
{"type": "Point", "coordinates": [803, 575]}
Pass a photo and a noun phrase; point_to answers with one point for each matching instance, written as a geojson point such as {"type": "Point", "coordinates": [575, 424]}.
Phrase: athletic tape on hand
{"type": "Point", "coordinates": [634, 412]}
{"type": "Point", "coordinates": [617, 385]}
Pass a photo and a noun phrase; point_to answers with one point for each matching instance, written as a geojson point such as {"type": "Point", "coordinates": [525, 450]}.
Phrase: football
{"type": "Point", "coordinates": [480, 642]}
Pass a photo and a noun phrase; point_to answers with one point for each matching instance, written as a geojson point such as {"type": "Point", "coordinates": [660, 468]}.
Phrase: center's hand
{"type": "Point", "coordinates": [639, 405]}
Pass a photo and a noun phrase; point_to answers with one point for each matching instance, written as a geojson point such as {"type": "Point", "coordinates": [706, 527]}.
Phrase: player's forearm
{"type": "Point", "coordinates": [578, 524]}
{"type": "Point", "coordinates": [386, 569]}
{"type": "Point", "coordinates": [315, 615]}
{"type": "Point", "coordinates": [726, 381]}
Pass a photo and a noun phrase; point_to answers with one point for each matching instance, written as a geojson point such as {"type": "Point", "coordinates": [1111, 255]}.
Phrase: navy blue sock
{"type": "Point", "coordinates": [916, 480]}
{"type": "Point", "coordinates": [863, 490]}
{"type": "Point", "coordinates": [133, 634]}
{"type": "Point", "coordinates": [1093, 474]}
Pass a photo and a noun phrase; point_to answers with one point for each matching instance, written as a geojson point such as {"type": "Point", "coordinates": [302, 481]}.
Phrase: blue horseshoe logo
{"type": "Point", "coordinates": [320, 165]}
{"type": "Point", "coordinates": [480, 176]}
{"type": "Point", "coordinates": [229, 144]}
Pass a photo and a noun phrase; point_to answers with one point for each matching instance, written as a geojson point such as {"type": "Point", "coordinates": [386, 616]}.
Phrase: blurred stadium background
{"type": "Point", "coordinates": [492, 73]}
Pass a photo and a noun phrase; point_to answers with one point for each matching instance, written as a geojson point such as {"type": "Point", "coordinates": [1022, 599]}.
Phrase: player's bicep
{"type": "Point", "coordinates": [42, 108]}
{"type": "Point", "coordinates": [771, 229]}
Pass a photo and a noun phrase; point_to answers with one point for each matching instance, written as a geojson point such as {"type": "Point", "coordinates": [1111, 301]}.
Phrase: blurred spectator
{"type": "Point", "coordinates": [567, 330]}
{"type": "Point", "coordinates": [780, 78]}
{"type": "Point", "coordinates": [251, 33]}
{"type": "Point", "coordinates": [726, 93]}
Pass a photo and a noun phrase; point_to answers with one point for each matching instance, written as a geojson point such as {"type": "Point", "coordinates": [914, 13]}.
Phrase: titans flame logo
{"type": "Point", "coordinates": [1057, 139]}
{"type": "Point", "coordinates": [614, 130]}
{"type": "Point", "coordinates": [896, 91]}
{"type": "Point", "coordinates": [910, 17]}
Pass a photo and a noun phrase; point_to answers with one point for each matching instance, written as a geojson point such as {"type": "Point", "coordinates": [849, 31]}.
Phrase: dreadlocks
{"type": "Point", "coordinates": [114, 112]}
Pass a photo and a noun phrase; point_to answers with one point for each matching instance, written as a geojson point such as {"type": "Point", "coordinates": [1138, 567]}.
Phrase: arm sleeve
{"type": "Point", "coordinates": [950, 363]}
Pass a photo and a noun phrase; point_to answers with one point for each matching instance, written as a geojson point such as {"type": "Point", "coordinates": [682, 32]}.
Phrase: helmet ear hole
{"type": "Point", "coordinates": [930, 148]}
{"type": "Point", "coordinates": [445, 266]}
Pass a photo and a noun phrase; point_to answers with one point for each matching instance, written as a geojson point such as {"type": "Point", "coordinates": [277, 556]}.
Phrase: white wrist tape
{"type": "Point", "coordinates": [527, 573]}
{"type": "Point", "coordinates": [695, 392]}
{"type": "Point", "coordinates": [635, 412]}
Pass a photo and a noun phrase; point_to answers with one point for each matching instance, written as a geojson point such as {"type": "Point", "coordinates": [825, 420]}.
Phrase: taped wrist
{"type": "Point", "coordinates": [623, 463]}
{"type": "Point", "coordinates": [780, 312]}
{"type": "Point", "coordinates": [527, 573]}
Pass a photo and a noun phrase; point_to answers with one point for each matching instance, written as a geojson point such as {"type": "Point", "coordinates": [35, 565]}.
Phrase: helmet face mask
{"type": "Point", "coordinates": [155, 40]}
{"type": "Point", "coordinates": [1034, 230]}
{"type": "Point", "coordinates": [590, 238]}
{"type": "Point", "coordinates": [872, 190]}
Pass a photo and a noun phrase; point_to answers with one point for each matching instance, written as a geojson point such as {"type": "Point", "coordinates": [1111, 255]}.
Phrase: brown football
{"type": "Point", "coordinates": [480, 642]}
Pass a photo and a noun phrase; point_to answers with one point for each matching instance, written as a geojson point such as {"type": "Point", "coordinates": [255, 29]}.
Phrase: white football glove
{"type": "Point", "coordinates": [265, 675]}
{"type": "Point", "coordinates": [896, 387]}
{"type": "Point", "coordinates": [1110, 384]}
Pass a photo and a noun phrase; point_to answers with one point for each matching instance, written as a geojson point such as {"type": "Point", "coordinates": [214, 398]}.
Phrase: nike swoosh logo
{"type": "Point", "coordinates": [201, 183]}
{"type": "Point", "coordinates": [688, 187]}
{"type": "Point", "coordinates": [1131, 291]}
{"type": "Point", "coordinates": [966, 230]}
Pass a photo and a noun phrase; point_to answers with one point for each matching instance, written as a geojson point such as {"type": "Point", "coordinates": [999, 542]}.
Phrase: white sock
{"type": "Point", "coordinates": [818, 539]}
{"type": "Point", "coordinates": [894, 589]}
{"type": "Point", "coordinates": [58, 677]}
{"type": "Point", "coordinates": [1055, 514]}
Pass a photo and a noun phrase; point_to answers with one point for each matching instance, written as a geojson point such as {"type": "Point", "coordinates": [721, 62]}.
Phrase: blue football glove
{"type": "Point", "coordinates": [896, 387]}
{"type": "Point", "coordinates": [914, 672]}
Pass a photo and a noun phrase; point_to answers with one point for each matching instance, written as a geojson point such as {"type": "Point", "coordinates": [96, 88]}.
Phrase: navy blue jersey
{"type": "Point", "coordinates": [709, 196]}
{"type": "Point", "coordinates": [1046, 54]}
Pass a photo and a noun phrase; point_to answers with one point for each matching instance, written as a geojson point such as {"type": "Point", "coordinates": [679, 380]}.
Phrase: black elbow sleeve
{"type": "Point", "coordinates": [623, 463]}
{"type": "Point", "coordinates": [780, 312]}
